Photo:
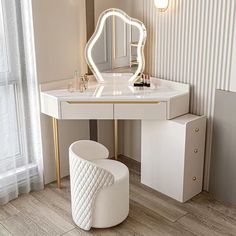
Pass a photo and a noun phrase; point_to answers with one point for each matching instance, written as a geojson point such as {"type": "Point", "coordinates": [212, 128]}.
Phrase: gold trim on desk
{"type": "Point", "coordinates": [113, 102]}
{"type": "Point", "coordinates": [57, 152]}
{"type": "Point", "coordinates": [116, 143]}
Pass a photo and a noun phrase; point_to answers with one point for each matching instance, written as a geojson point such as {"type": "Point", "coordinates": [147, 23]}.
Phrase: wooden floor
{"type": "Point", "coordinates": [48, 213]}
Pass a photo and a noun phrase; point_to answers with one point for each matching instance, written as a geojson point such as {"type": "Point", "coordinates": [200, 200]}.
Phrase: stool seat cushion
{"type": "Point", "coordinates": [116, 168]}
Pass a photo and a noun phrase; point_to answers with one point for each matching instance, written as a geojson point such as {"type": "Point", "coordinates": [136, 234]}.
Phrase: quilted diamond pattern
{"type": "Point", "coordinates": [86, 180]}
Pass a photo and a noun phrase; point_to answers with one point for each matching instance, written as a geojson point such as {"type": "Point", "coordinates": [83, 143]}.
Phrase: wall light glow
{"type": "Point", "coordinates": [98, 32]}
{"type": "Point", "coordinates": [162, 5]}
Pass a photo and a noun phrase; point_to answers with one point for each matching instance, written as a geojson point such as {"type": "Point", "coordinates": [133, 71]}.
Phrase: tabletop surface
{"type": "Point", "coordinates": [161, 90]}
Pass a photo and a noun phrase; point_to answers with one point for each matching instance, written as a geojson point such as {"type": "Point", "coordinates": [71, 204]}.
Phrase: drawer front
{"type": "Point", "coordinates": [155, 111]}
{"type": "Point", "coordinates": [195, 148]}
{"type": "Point", "coordinates": [76, 111]}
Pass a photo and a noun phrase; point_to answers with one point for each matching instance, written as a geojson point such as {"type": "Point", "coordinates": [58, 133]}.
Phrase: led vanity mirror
{"type": "Point", "coordinates": [115, 51]}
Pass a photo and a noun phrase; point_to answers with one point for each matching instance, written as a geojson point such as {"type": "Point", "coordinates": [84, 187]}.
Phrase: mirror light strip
{"type": "Point", "coordinates": [98, 32]}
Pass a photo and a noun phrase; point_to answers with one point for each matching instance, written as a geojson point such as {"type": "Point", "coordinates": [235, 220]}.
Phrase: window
{"type": "Point", "coordinates": [3, 54]}
{"type": "Point", "coordinates": [21, 168]}
{"type": "Point", "coordinates": [13, 129]}
{"type": "Point", "coordinates": [12, 132]}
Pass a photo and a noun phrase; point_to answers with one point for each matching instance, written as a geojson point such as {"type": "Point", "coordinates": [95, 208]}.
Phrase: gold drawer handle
{"type": "Point", "coordinates": [196, 150]}
{"type": "Point", "coordinates": [194, 178]}
{"type": "Point", "coordinates": [196, 130]}
{"type": "Point", "coordinates": [114, 102]}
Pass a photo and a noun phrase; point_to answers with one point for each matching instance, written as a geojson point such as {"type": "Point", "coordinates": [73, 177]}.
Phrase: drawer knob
{"type": "Point", "coordinates": [196, 150]}
{"type": "Point", "coordinates": [196, 130]}
{"type": "Point", "coordinates": [194, 178]}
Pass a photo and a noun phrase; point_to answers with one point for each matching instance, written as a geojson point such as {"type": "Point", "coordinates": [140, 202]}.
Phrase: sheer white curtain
{"type": "Point", "coordinates": [20, 138]}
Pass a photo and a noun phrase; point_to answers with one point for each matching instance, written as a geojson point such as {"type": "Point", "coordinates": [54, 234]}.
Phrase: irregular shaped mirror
{"type": "Point", "coordinates": [115, 51]}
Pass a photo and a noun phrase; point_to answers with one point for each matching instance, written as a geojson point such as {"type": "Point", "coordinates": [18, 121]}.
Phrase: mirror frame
{"type": "Point", "coordinates": [98, 31]}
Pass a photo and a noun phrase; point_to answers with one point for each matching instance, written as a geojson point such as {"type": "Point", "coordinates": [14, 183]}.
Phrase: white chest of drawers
{"type": "Point", "coordinates": [173, 156]}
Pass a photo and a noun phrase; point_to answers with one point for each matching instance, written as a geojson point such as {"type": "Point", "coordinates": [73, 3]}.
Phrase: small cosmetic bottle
{"type": "Point", "coordinates": [81, 84]}
{"type": "Point", "coordinates": [148, 82]}
{"type": "Point", "coordinates": [139, 83]}
{"type": "Point", "coordinates": [70, 87]}
{"type": "Point", "coordinates": [76, 81]}
{"type": "Point", "coordinates": [86, 80]}
{"type": "Point", "coordinates": [145, 80]}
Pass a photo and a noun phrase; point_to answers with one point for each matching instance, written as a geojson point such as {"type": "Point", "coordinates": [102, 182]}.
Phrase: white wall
{"type": "Point", "coordinates": [60, 36]}
{"type": "Point", "coordinates": [134, 8]}
{"type": "Point", "coordinates": [131, 139]}
{"type": "Point", "coordinates": [101, 5]}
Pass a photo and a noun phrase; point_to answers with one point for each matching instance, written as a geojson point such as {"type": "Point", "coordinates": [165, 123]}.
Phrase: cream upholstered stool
{"type": "Point", "coordinates": [99, 186]}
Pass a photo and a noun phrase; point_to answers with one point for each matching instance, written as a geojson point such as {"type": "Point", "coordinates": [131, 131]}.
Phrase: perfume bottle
{"type": "Point", "coordinates": [81, 84]}
{"type": "Point", "coordinates": [76, 81]}
{"type": "Point", "coordinates": [85, 78]}
{"type": "Point", "coordinates": [70, 87]}
{"type": "Point", "coordinates": [140, 82]}
{"type": "Point", "coordinates": [148, 82]}
{"type": "Point", "coordinates": [144, 80]}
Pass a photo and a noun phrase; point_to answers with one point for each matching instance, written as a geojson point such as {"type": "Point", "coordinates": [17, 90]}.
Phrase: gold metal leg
{"type": "Point", "coordinates": [56, 149]}
{"type": "Point", "coordinates": [116, 138]}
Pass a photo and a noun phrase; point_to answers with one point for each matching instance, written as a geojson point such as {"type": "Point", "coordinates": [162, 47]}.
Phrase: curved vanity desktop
{"type": "Point", "coordinates": [163, 100]}
{"type": "Point", "coordinates": [172, 141]}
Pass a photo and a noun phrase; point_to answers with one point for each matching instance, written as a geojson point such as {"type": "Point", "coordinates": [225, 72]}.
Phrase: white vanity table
{"type": "Point", "coordinates": [164, 101]}
{"type": "Point", "coordinates": [172, 143]}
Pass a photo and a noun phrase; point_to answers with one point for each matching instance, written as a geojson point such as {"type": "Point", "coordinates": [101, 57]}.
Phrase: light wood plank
{"type": "Point", "coordinates": [156, 222]}
{"type": "Point", "coordinates": [163, 208]}
{"type": "Point", "coordinates": [55, 202]}
{"type": "Point", "coordinates": [226, 210]}
{"type": "Point", "coordinates": [7, 211]}
{"type": "Point", "coordinates": [203, 226]}
{"type": "Point", "coordinates": [134, 227]}
{"type": "Point", "coordinates": [210, 217]}
{"type": "Point", "coordinates": [4, 232]}
{"type": "Point", "coordinates": [47, 219]}
{"type": "Point", "coordinates": [64, 191]}
{"type": "Point", "coordinates": [94, 232]}
{"type": "Point", "coordinates": [22, 225]}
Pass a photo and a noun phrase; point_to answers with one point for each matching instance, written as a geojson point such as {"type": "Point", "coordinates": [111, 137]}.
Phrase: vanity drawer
{"type": "Point", "coordinates": [82, 111]}
{"type": "Point", "coordinates": [140, 111]}
{"type": "Point", "coordinates": [194, 156]}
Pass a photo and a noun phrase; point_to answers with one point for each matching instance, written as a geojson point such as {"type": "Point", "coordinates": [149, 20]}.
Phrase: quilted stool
{"type": "Point", "coordinates": [99, 186]}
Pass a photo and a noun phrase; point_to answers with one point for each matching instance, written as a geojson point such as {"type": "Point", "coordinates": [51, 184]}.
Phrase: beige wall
{"type": "Point", "coordinates": [134, 8]}
{"type": "Point", "coordinates": [101, 5]}
{"type": "Point", "coordinates": [60, 36]}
